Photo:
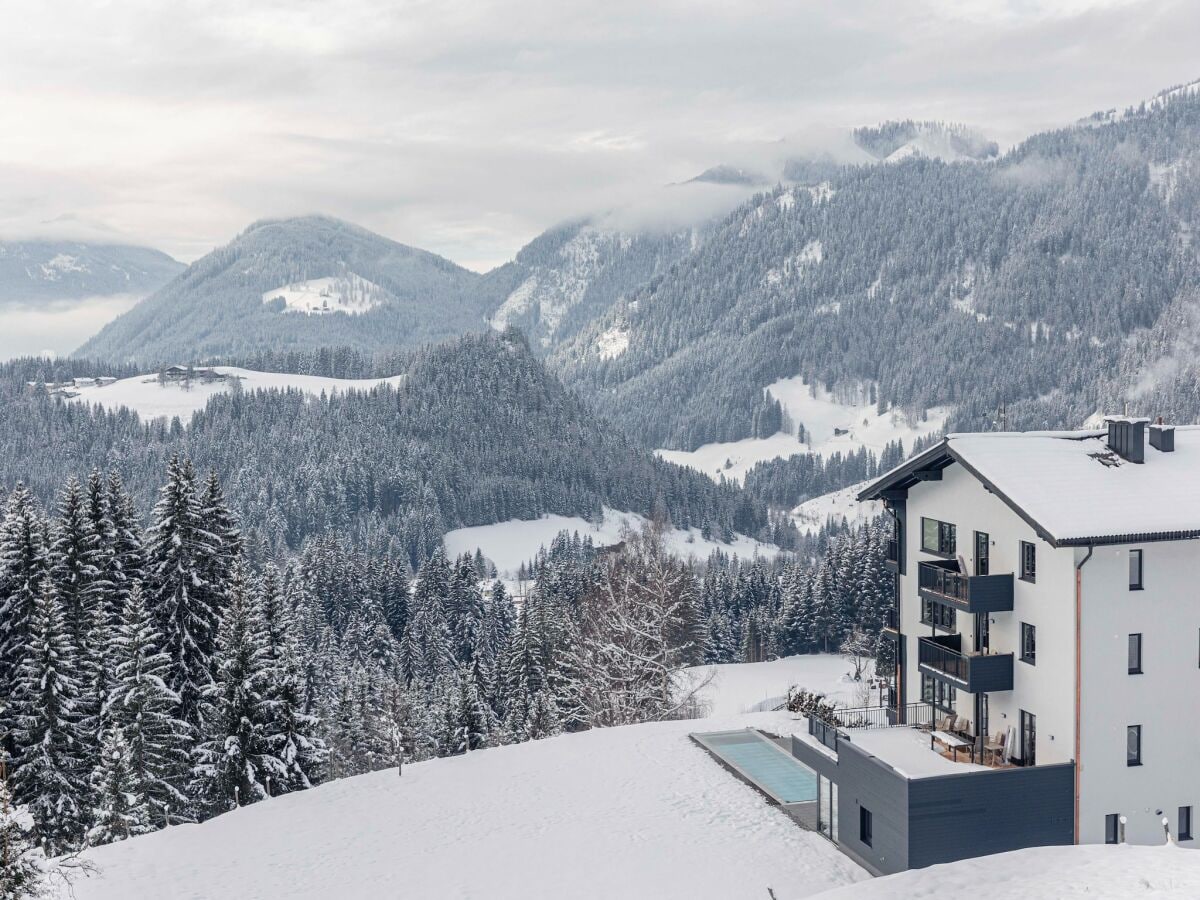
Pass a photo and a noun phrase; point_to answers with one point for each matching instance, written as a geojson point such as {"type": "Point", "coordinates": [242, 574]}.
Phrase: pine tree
{"type": "Point", "coordinates": [146, 711]}
{"type": "Point", "coordinates": [49, 776]}
{"type": "Point", "coordinates": [295, 755]}
{"type": "Point", "coordinates": [74, 565]}
{"type": "Point", "coordinates": [122, 810]}
{"type": "Point", "coordinates": [22, 864]}
{"type": "Point", "coordinates": [179, 564]}
{"type": "Point", "coordinates": [24, 566]}
{"type": "Point", "coordinates": [230, 769]}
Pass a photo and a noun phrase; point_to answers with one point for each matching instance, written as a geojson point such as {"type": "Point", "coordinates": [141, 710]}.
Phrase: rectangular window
{"type": "Point", "coordinates": [1112, 828]}
{"type": "Point", "coordinates": [982, 553]}
{"type": "Point", "coordinates": [938, 693]}
{"type": "Point", "coordinates": [1028, 561]}
{"type": "Point", "coordinates": [1133, 745]}
{"type": "Point", "coordinates": [1185, 824]}
{"type": "Point", "coordinates": [1029, 643]}
{"type": "Point", "coordinates": [1028, 739]}
{"type": "Point", "coordinates": [1135, 654]}
{"type": "Point", "coordinates": [938, 614]}
{"type": "Point", "coordinates": [937, 537]}
{"type": "Point", "coordinates": [864, 825]}
{"type": "Point", "coordinates": [1135, 570]}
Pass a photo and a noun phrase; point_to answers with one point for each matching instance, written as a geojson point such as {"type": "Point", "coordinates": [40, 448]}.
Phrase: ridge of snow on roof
{"type": "Point", "coordinates": [1056, 479]}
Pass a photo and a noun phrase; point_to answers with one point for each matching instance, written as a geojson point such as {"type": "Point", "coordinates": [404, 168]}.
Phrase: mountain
{"type": "Point", "coordinates": [573, 273]}
{"type": "Point", "coordinates": [922, 284]}
{"type": "Point", "coordinates": [471, 432]}
{"type": "Point", "coordinates": [949, 142]}
{"type": "Point", "coordinates": [35, 271]}
{"type": "Point", "coordinates": [297, 283]}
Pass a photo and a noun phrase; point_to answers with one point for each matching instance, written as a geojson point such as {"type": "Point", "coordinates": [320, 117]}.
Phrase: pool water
{"type": "Point", "coordinates": [779, 774]}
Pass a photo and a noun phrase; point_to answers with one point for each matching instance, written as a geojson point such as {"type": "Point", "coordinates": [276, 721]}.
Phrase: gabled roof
{"type": "Point", "coordinates": [1069, 487]}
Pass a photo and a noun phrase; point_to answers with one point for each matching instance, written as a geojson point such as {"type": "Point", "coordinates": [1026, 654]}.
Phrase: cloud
{"type": "Point", "coordinates": [468, 126]}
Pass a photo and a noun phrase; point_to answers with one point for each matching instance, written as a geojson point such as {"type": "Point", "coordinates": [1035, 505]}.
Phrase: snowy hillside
{"type": "Point", "coordinates": [734, 688]}
{"type": "Point", "coordinates": [41, 270]}
{"type": "Point", "coordinates": [1097, 872]}
{"type": "Point", "coordinates": [839, 507]}
{"type": "Point", "coordinates": [631, 812]}
{"type": "Point", "coordinates": [152, 398]}
{"type": "Point", "coordinates": [831, 424]}
{"type": "Point", "coordinates": [508, 544]}
{"type": "Point", "coordinates": [350, 294]}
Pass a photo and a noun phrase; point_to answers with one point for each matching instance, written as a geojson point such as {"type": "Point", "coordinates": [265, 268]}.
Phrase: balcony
{"type": "Point", "coordinates": [892, 554]}
{"type": "Point", "coordinates": [975, 673]}
{"type": "Point", "coordinates": [969, 593]}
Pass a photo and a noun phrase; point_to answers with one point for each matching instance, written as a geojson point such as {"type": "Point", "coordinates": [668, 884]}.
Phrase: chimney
{"type": "Point", "coordinates": [1162, 437]}
{"type": "Point", "coordinates": [1127, 437]}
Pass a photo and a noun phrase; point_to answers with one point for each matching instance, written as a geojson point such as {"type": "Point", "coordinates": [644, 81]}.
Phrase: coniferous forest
{"type": "Point", "coordinates": [161, 672]}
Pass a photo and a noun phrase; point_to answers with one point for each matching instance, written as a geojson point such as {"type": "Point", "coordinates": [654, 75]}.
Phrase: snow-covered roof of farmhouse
{"type": "Point", "coordinates": [1069, 486]}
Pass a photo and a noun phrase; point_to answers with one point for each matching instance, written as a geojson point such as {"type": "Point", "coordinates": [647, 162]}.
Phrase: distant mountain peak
{"type": "Point", "coordinates": [947, 141]}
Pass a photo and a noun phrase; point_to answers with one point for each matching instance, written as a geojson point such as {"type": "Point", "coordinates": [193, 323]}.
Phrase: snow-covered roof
{"type": "Point", "coordinates": [1070, 486]}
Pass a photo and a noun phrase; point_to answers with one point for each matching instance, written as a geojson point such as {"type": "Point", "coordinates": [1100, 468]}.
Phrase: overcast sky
{"type": "Point", "coordinates": [467, 127]}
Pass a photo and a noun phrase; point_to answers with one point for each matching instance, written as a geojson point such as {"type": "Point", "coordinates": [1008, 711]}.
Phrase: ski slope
{"type": "Point", "coordinates": [508, 544]}
{"type": "Point", "coordinates": [843, 423]}
{"type": "Point", "coordinates": [350, 294]}
{"type": "Point", "coordinates": [152, 399]}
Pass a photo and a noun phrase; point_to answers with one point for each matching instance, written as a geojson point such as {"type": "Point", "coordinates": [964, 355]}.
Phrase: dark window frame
{"type": "Point", "coordinates": [1184, 824]}
{"type": "Point", "coordinates": [1029, 643]}
{"type": "Point", "coordinates": [1027, 560]}
{"type": "Point", "coordinates": [939, 615]}
{"type": "Point", "coordinates": [947, 538]}
{"type": "Point", "coordinates": [1135, 640]}
{"type": "Point", "coordinates": [1140, 583]}
{"type": "Point", "coordinates": [866, 826]}
{"type": "Point", "coordinates": [983, 560]}
{"type": "Point", "coordinates": [1133, 752]}
{"type": "Point", "coordinates": [939, 694]}
{"type": "Point", "coordinates": [1112, 828]}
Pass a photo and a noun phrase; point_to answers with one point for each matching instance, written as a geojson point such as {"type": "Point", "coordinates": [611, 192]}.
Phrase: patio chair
{"type": "Point", "coordinates": [996, 746]}
{"type": "Point", "coordinates": [962, 726]}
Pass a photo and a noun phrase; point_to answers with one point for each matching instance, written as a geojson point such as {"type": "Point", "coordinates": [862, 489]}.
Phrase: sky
{"type": "Point", "coordinates": [467, 128]}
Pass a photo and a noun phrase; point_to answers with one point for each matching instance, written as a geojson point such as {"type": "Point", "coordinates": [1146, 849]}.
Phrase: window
{"type": "Point", "coordinates": [937, 537]}
{"type": "Point", "coordinates": [864, 825]}
{"type": "Point", "coordinates": [1184, 832]}
{"type": "Point", "coordinates": [938, 614]}
{"type": "Point", "coordinates": [1135, 654]}
{"type": "Point", "coordinates": [982, 554]}
{"type": "Point", "coordinates": [1135, 570]}
{"type": "Point", "coordinates": [938, 693]}
{"type": "Point", "coordinates": [1133, 745]}
{"type": "Point", "coordinates": [1029, 643]}
{"type": "Point", "coordinates": [1112, 828]}
{"type": "Point", "coordinates": [1028, 739]}
{"type": "Point", "coordinates": [1028, 561]}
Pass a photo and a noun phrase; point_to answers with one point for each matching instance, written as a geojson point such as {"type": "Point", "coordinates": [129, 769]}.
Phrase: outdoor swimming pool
{"type": "Point", "coordinates": [764, 763]}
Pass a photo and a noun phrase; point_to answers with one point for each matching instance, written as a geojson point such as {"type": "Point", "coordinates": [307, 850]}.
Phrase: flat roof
{"type": "Point", "coordinates": [1069, 486]}
{"type": "Point", "coordinates": [907, 751]}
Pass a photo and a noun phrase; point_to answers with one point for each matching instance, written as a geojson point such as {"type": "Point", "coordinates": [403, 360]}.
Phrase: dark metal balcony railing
{"type": "Point", "coordinates": [944, 659]}
{"type": "Point", "coordinates": [943, 581]}
{"type": "Point", "coordinates": [824, 732]}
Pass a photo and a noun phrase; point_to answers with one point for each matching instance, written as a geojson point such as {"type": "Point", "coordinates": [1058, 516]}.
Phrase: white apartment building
{"type": "Point", "coordinates": [1048, 610]}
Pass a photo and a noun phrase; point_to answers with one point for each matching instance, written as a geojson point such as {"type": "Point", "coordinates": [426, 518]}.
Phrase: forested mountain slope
{"type": "Point", "coordinates": [43, 270]}
{"type": "Point", "coordinates": [963, 284]}
{"type": "Point", "coordinates": [479, 432]}
{"type": "Point", "coordinates": [298, 283]}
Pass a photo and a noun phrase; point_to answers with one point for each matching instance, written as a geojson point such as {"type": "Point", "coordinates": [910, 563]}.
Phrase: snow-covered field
{"type": "Point", "coordinates": [152, 399]}
{"type": "Point", "coordinates": [838, 507]}
{"type": "Point", "coordinates": [832, 425]}
{"type": "Point", "coordinates": [1095, 872]}
{"type": "Point", "coordinates": [350, 294]}
{"type": "Point", "coordinates": [741, 687]}
{"type": "Point", "coordinates": [629, 812]}
{"type": "Point", "coordinates": [508, 544]}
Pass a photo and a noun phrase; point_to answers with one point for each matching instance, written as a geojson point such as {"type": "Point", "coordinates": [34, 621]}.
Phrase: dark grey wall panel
{"type": "Point", "coordinates": [978, 813]}
{"type": "Point", "coordinates": [864, 781]}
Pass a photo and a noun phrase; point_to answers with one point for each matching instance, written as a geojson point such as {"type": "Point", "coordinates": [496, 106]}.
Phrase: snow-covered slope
{"type": "Point", "coordinates": [629, 812]}
{"type": "Point", "coordinates": [837, 507]}
{"type": "Point", "coordinates": [831, 424]}
{"type": "Point", "coordinates": [350, 294]}
{"type": "Point", "coordinates": [1097, 872]}
{"type": "Point", "coordinates": [508, 544]}
{"type": "Point", "coordinates": [40, 270]}
{"type": "Point", "coordinates": [152, 398]}
{"type": "Point", "coordinates": [734, 688]}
